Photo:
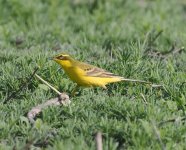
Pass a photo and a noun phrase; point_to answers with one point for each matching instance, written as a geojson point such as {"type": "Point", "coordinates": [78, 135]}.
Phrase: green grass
{"type": "Point", "coordinates": [111, 34]}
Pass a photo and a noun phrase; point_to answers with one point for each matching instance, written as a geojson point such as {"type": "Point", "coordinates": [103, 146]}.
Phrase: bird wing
{"type": "Point", "coordinates": [95, 71]}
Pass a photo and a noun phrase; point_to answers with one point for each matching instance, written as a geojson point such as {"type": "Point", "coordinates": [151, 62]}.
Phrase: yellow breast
{"type": "Point", "coordinates": [79, 76]}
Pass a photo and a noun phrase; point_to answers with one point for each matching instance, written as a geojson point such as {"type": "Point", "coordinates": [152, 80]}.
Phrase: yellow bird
{"type": "Point", "coordinates": [87, 75]}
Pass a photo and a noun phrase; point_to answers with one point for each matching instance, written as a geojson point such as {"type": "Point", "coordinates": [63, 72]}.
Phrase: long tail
{"type": "Point", "coordinates": [141, 81]}
{"type": "Point", "coordinates": [133, 80]}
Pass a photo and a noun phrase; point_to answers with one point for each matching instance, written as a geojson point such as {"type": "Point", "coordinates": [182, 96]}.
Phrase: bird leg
{"type": "Point", "coordinates": [104, 87]}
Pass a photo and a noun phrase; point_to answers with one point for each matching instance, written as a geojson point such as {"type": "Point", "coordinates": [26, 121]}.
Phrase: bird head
{"type": "Point", "coordinates": [63, 59]}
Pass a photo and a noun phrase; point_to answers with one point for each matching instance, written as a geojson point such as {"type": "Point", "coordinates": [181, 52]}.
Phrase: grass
{"type": "Point", "coordinates": [115, 35]}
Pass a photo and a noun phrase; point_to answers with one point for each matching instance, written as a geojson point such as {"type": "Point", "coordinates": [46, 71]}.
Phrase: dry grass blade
{"type": "Point", "coordinates": [172, 120]}
{"type": "Point", "coordinates": [144, 99]}
{"type": "Point", "coordinates": [98, 138]}
{"type": "Point", "coordinates": [166, 55]}
{"type": "Point", "coordinates": [157, 133]}
{"type": "Point", "coordinates": [45, 82]}
{"type": "Point", "coordinates": [62, 99]}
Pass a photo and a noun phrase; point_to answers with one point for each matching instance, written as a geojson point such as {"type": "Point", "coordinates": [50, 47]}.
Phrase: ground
{"type": "Point", "coordinates": [138, 39]}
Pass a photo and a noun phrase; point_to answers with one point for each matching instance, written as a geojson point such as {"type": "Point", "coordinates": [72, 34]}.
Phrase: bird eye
{"type": "Point", "coordinates": [60, 57]}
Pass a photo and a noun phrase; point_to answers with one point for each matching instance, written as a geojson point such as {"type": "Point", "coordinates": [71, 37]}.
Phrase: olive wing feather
{"type": "Point", "coordinates": [95, 71]}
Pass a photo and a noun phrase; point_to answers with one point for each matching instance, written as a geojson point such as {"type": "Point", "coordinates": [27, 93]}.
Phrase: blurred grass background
{"type": "Point", "coordinates": [117, 35]}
